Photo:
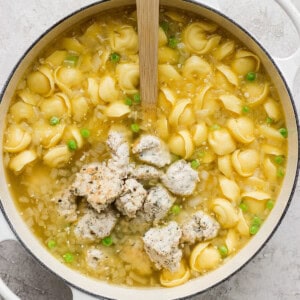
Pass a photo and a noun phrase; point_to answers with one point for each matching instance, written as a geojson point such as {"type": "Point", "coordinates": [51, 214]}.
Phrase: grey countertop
{"type": "Point", "coordinates": [275, 272]}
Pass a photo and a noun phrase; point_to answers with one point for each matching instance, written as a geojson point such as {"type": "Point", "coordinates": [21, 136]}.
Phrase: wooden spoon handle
{"type": "Point", "coordinates": [148, 22]}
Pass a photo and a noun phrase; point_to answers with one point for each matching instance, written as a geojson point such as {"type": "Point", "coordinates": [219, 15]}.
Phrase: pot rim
{"type": "Point", "coordinates": [270, 58]}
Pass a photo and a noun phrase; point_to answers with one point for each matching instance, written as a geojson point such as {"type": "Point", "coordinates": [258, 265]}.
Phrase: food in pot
{"type": "Point", "coordinates": [138, 202]}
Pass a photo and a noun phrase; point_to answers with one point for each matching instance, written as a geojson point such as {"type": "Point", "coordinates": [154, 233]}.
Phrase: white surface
{"type": "Point", "coordinates": [275, 272]}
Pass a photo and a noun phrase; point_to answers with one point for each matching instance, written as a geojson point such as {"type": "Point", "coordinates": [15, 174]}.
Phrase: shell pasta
{"type": "Point", "coordinates": [137, 202]}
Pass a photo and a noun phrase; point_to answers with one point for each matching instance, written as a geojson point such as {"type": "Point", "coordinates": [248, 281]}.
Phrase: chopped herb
{"type": "Point", "coordinates": [283, 131]}
{"type": "Point", "coordinates": [114, 57]}
{"type": "Point", "coordinates": [107, 241]}
{"type": "Point", "coordinates": [72, 145]}
{"type": "Point", "coordinates": [137, 98]}
{"type": "Point", "coordinates": [68, 257]}
{"type": "Point", "coordinates": [85, 133]}
{"type": "Point", "coordinates": [71, 60]}
{"type": "Point", "coordinates": [195, 164]}
{"type": "Point", "coordinates": [173, 42]}
{"type": "Point", "coordinates": [280, 173]}
{"type": "Point", "coordinates": [251, 76]}
{"type": "Point", "coordinates": [54, 121]}
{"type": "Point", "coordinates": [215, 127]}
{"type": "Point", "coordinates": [128, 101]}
{"type": "Point", "coordinates": [269, 120]}
{"type": "Point", "coordinates": [245, 109]}
{"type": "Point", "coordinates": [165, 26]}
{"type": "Point", "coordinates": [135, 127]}
{"type": "Point", "coordinates": [223, 251]}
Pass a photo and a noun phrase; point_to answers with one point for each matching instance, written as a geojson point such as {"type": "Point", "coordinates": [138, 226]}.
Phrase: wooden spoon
{"type": "Point", "coordinates": [148, 19]}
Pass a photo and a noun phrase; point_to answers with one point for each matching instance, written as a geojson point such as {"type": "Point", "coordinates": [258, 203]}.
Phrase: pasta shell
{"type": "Point", "coordinates": [272, 150]}
{"type": "Point", "coordinates": [129, 77]}
{"type": "Point", "coordinates": [17, 139]}
{"type": "Point", "coordinates": [116, 110]}
{"type": "Point", "coordinates": [56, 58]}
{"type": "Point", "coordinates": [107, 89]}
{"type": "Point", "coordinates": [229, 188]}
{"type": "Point", "coordinates": [232, 241]}
{"type": "Point", "coordinates": [181, 144]}
{"type": "Point", "coordinates": [256, 93]}
{"type": "Point", "coordinates": [226, 214]}
{"type": "Point", "coordinates": [272, 109]}
{"type": "Point", "coordinates": [57, 156]}
{"type": "Point", "coordinates": [181, 114]}
{"type": "Point", "coordinates": [170, 279]}
{"type": "Point", "coordinates": [232, 103]}
{"type": "Point", "coordinates": [242, 129]}
{"type": "Point", "coordinates": [124, 39]}
{"type": "Point", "coordinates": [22, 111]}
{"type": "Point", "coordinates": [200, 97]}
{"type": "Point", "coordinates": [255, 183]}
{"type": "Point", "coordinates": [72, 45]}
{"type": "Point", "coordinates": [269, 169]}
{"type": "Point", "coordinates": [199, 133]}
{"type": "Point", "coordinates": [80, 107]}
{"type": "Point", "coordinates": [224, 50]}
{"type": "Point", "coordinates": [196, 67]}
{"type": "Point", "coordinates": [175, 16]}
{"type": "Point", "coordinates": [73, 133]}
{"type": "Point", "coordinates": [167, 55]}
{"type": "Point", "coordinates": [242, 225]}
{"type": "Point", "coordinates": [221, 141]}
{"type": "Point", "coordinates": [196, 40]}
{"type": "Point", "coordinates": [229, 74]}
{"type": "Point", "coordinates": [162, 37]}
{"type": "Point", "coordinates": [245, 162]}
{"type": "Point", "coordinates": [29, 97]}
{"type": "Point", "coordinates": [41, 81]}
{"type": "Point", "coordinates": [225, 165]}
{"type": "Point", "coordinates": [245, 62]}
{"type": "Point", "coordinates": [256, 201]}
{"type": "Point", "coordinates": [56, 106]}
{"type": "Point", "coordinates": [271, 133]}
{"type": "Point", "coordinates": [21, 160]}
{"type": "Point", "coordinates": [162, 128]}
{"type": "Point", "coordinates": [204, 257]}
{"type": "Point", "coordinates": [168, 72]}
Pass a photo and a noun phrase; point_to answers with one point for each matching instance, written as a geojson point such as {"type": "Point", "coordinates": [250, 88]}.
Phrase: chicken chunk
{"type": "Point", "coordinates": [145, 172]}
{"type": "Point", "coordinates": [157, 204]}
{"type": "Point", "coordinates": [99, 183]}
{"type": "Point", "coordinates": [118, 145]}
{"type": "Point", "coordinates": [152, 150]}
{"type": "Point", "coordinates": [95, 225]}
{"type": "Point", "coordinates": [132, 198]}
{"type": "Point", "coordinates": [66, 205]}
{"type": "Point", "coordinates": [161, 245]}
{"type": "Point", "coordinates": [94, 256]}
{"type": "Point", "coordinates": [199, 228]}
{"type": "Point", "coordinates": [180, 178]}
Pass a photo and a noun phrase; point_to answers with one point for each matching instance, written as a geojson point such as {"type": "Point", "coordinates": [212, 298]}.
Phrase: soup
{"type": "Point", "coordinates": [135, 202]}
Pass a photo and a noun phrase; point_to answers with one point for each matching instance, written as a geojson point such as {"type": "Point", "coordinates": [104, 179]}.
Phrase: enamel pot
{"type": "Point", "coordinates": [282, 71]}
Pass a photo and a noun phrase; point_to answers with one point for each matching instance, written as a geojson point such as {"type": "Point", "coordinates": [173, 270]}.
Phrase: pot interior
{"type": "Point", "coordinates": [194, 286]}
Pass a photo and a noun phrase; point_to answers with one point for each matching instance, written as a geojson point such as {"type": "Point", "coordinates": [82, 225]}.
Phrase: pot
{"type": "Point", "coordinates": [282, 71]}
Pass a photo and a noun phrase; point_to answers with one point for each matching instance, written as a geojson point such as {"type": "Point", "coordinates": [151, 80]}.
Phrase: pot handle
{"type": "Point", "coordinates": [290, 65]}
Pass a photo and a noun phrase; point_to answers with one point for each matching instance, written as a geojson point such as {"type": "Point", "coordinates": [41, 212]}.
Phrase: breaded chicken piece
{"type": "Point", "coordinates": [144, 172]}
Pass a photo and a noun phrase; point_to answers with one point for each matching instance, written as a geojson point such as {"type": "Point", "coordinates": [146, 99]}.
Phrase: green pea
{"type": "Point", "coordinates": [251, 76]}
{"type": "Point", "coordinates": [165, 26]}
{"type": "Point", "coordinates": [283, 131]}
{"type": "Point", "coordinates": [54, 121]}
{"type": "Point", "coordinates": [223, 251]}
{"type": "Point", "coordinates": [135, 127]}
{"type": "Point", "coordinates": [280, 173]}
{"type": "Point", "coordinates": [85, 133]}
{"type": "Point", "coordinates": [137, 98]}
{"type": "Point", "coordinates": [195, 164]}
{"type": "Point", "coordinates": [107, 241]}
{"type": "Point", "coordinates": [253, 229]}
{"type": "Point", "coordinates": [243, 206]}
{"type": "Point", "coordinates": [51, 244]}
{"type": "Point", "coordinates": [279, 159]}
{"type": "Point", "coordinates": [175, 209]}
{"type": "Point", "coordinates": [115, 57]}
{"type": "Point", "coordinates": [72, 145]}
{"type": "Point", "coordinates": [270, 204]}
{"type": "Point", "coordinates": [173, 42]}
{"type": "Point", "coordinates": [256, 221]}
{"type": "Point", "coordinates": [269, 120]}
{"type": "Point", "coordinates": [245, 109]}
{"type": "Point", "coordinates": [128, 101]}
{"type": "Point", "coordinates": [68, 257]}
